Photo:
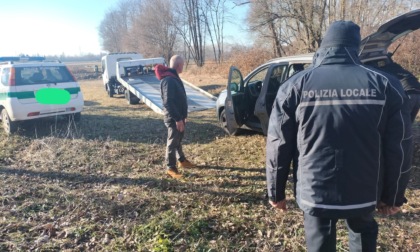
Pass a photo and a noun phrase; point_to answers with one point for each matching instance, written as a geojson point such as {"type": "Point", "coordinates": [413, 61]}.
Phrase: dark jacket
{"type": "Point", "coordinates": [410, 83]}
{"type": "Point", "coordinates": [351, 128]}
{"type": "Point", "coordinates": [174, 98]}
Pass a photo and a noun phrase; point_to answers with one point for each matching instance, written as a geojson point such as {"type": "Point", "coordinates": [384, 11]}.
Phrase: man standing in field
{"type": "Point", "coordinates": [175, 109]}
{"type": "Point", "coordinates": [351, 128]}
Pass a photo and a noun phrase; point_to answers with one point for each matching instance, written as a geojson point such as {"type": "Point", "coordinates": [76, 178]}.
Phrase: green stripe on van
{"type": "Point", "coordinates": [31, 94]}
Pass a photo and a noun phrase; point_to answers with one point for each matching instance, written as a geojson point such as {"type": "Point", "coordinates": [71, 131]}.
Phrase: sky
{"type": "Point", "coordinates": [70, 27]}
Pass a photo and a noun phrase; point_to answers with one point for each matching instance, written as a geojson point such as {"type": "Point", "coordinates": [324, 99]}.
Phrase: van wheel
{"type": "Point", "coordinates": [130, 97]}
{"type": "Point", "coordinates": [8, 125]}
{"type": "Point", "coordinates": [223, 124]}
{"type": "Point", "coordinates": [109, 90]}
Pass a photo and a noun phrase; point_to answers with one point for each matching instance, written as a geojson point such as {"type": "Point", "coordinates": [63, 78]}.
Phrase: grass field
{"type": "Point", "coordinates": [100, 186]}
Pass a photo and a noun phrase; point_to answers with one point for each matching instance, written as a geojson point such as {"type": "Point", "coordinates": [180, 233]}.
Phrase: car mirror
{"type": "Point", "coordinates": [233, 87]}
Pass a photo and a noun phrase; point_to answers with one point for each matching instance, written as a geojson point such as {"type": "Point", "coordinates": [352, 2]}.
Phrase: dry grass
{"type": "Point", "coordinates": [100, 186]}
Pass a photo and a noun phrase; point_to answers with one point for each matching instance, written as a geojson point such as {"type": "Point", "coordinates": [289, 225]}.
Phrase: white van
{"type": "Point", "coordinates": [32, 88]}
{"type": "Point", "coordinates": [109, 71]}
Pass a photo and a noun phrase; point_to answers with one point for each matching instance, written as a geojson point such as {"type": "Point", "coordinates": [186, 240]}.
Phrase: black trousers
{"type": "Point", "coordinates": [320, 233]}
{"type": "Point", "coordinates": [173, 145]}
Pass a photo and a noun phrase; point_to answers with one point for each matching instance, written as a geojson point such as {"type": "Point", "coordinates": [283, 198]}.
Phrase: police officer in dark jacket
{"type": "Point", "coordinates": [349, 126]}
{"type": "Point", "coordinates": [175, 109]}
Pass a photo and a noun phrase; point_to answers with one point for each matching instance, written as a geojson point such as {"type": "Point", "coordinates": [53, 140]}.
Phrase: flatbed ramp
{"type": "Point", "coordinates": [147, 89]}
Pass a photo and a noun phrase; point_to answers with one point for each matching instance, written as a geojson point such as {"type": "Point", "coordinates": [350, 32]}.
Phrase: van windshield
{"type": "Point", "coordinates": [42, 75]}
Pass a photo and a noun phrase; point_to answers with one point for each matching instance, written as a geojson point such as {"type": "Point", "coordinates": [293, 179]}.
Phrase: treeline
{"type": "Point", "coordinates": [87, 57]}
{"type": "Point", "coordinates": [196, 28]}
{"type": "Point", "coordinates": [297, 26]}
{"type": "Point", "coordinates": [162, 27]}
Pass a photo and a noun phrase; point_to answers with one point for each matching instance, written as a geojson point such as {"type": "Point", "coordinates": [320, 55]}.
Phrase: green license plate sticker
{"type": "Point", "coordinates": [52, 96]}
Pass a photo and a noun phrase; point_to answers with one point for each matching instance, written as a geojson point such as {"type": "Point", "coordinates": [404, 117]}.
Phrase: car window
{"type": "Point", "coordinates": [276, 79]}
{"type": "Point", "coordinates": [235, 82]}
{"type": "Point", "coordinates": [5, 76]}
{"type": "Point", "coordinates": [295, 68]}
{"type": "Point", "coordinates": [44, 74]}
{"type": "Point", "coordinates": [259, 75]}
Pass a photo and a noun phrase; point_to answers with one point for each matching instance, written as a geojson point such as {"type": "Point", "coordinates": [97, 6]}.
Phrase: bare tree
{"type": "Point", "coordinates": [310, 16]}
{"type": "Point", "coordinates": [129, 11]}
{"type": "Point", "coordinates": [156, 36]}
{"type": "Point", "coordinates": [110, 32]}
{"type": "Point", "coordinates": [369, 15]}
{"type": "Point", "coordinates": [289, 22]}
{"type": "Point", "coordinates": [114, 28]}
{"type": "Point", "coordinates": [265, 20]}
{"type": "Point", "coordinates": [299, 24]}
{"type": "Point", "coordinates": [192, 29]}
{"type": "Point", "coordinates": [215, 18]}
{"type": "Point", "coordinates": [285, 26]}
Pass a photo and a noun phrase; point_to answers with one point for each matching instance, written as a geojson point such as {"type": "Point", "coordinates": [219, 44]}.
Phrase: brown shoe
{"type": "Point", "coordinates": [185, 164]}
{"type": "Point", "coordinates": [173, 172]}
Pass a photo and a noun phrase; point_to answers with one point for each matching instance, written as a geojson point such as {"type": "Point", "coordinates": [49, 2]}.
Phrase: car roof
{"type": "Point", "coordinates": [377, 43]}
{"type": "Point", "coordinates": [301, 58]}
{"type": "Point", "coordinates": [35, 64]}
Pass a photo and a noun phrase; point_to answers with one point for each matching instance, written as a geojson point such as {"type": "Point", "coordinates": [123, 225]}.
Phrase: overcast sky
{"type": "Point", "coordinates": [53, 27]}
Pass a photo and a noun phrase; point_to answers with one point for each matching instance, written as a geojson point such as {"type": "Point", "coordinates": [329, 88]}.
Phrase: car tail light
{"type": "Point", "coordinates": [12, 79]}
{"type": "Point", "coordinates": [74, 79]}
{"type": "Point", "coordinates": [70, 109]}
{"type": "Point", "coordinates": [33, 114]}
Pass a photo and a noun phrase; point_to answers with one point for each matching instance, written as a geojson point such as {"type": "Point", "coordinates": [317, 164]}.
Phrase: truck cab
{"type": "Point", "coordinates": [109, 71]}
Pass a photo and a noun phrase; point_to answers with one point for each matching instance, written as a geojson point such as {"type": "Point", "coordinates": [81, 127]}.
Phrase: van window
{"type": "Point", "coordinates": [42, 75]}
{"type": "Point", "coordinates": [5, 76]}
{"type": "Point", "coordinates": [123, 59]}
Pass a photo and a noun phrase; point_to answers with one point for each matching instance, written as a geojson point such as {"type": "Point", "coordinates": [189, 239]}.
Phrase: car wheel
{"type": "Point", "coordinates": [223, 124]}
{"type": "Point", "coordinates": [109, 90]}
{"type": "Point", "coordinates": [130, 97]}
{"type": "Point", "coordinates": [8, 125]}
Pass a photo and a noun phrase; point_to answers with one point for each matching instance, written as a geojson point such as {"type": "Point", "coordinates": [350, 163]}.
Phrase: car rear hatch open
{"type": "Point", "coordinates": [376, 44]}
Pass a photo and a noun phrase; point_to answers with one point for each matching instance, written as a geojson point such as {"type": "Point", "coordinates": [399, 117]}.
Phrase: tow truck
{"type": "Point", "coordinates": [132, 75]}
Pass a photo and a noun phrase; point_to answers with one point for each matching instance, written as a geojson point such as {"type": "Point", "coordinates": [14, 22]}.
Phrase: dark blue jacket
{"type": "Point", "coordinates": [350, 127]}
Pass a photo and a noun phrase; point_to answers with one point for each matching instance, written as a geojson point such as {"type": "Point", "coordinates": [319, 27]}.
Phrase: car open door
{"type": "Point", "coordinates": [276, 74]}
{"type": "Point", "coordinates": [234, 107]}
{"type": "Point", "coordinates": [377, 43]}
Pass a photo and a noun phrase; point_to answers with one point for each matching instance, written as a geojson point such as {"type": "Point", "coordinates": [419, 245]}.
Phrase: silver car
{"type": "Point", "coordinates": [247, 103]}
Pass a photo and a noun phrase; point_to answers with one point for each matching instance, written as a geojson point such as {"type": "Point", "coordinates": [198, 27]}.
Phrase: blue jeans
{"type": "Point", "coordinates": [320, 233]}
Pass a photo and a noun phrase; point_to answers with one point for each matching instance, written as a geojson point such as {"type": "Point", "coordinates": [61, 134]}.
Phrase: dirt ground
{"type": "Point", "coordinates": [99, 185]}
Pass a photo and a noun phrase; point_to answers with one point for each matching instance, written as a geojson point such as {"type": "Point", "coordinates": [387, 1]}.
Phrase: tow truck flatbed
{"type": "Point", "coordinates": [146, 87]}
